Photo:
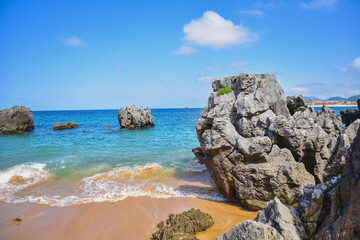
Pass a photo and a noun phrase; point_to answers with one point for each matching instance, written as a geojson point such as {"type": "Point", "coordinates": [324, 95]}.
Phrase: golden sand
{"type": "Point", "coordinates": [131, 218]}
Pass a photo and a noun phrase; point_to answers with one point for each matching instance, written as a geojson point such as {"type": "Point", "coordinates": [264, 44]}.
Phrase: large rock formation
{"type": "Point", "coordinates": [133, 118]}
{"type": "Point", "coordinates": [326, 211]}
{"type": "Point", "coordinates": [260, 145]}
{"type": "Point", "coordinates": [65, 125]}
{"type": "Point", "coordinates": [17, 119]}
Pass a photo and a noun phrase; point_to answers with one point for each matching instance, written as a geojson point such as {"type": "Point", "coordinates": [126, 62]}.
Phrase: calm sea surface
{"type": "Point", "coordinates": [92, 163]}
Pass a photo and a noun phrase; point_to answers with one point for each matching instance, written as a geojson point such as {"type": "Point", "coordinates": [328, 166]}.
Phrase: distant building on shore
{"type": "Point", "coordinates": [334, 102]}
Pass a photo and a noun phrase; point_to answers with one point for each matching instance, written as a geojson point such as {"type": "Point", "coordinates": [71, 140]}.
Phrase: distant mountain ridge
{"type": "Point", "coordinates": [337, 98]}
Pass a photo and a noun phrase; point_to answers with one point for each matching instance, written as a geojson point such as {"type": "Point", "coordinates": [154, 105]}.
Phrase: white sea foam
{"type": "Point", "coordinates": [19, 177]}
{"type": "Point", "coordinates": [123, 182]}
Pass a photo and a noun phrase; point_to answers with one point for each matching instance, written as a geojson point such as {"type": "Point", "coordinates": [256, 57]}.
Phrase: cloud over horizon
{"type": "Point", "coordinates": [254, 12]}
{"type": "Point", "coordinates": [73, 41]}
{"type": "Point", "coordinates": [212, 30]}
{"type": "Point", "coordinates": [206, 79]}
{"type": "Point", "coordinates": [319, 4]}
{"type": "Point", "coordinates": [355, 64]}
{"type": "Point", "coordinates": [184, 50]}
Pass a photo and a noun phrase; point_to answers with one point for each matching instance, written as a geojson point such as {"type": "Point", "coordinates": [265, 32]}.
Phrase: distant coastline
{"type": "Point", "coordinates": [332, 105]}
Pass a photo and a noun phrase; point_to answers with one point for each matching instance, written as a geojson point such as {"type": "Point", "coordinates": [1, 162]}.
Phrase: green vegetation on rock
{"type": "Point", "coordinates": [224, 90]}
{"type": "Point", "coordinates": [183, 226]}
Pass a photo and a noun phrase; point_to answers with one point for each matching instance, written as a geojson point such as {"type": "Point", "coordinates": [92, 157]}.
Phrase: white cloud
{"type": "Point", "coordinates": [213, 68]}
{"type": "Point", "coordinates": [185, 50]}
{"type": "Point", "coordinates": [213, 30]}
{"type": "Point", "coordinates": [319, 4]}
{"type": "Point", "coordinates": [266, 5]}
{"type": "Point", "coordinates": [238, 64]}
{"type": "Point", "coordinates": [353, 92]}
{"type": "Point", "coordinates": [344, 69]}
{"type": "Point", "coordinates": [206, 79]}
{"type": "Point", "coordinates": [355, 64]}
{"type": "Point", "coordinates": [254, 12]}
{"type": "Point", "coordinates": [119, 68]}
{"type": "Point", "coordinates": [298, 90]}
{"type": "Point", "coordinates": [73, 41]}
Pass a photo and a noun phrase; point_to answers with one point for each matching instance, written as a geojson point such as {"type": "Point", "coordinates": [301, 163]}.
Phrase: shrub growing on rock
{"type": "Point", "coordinates": [224, 90]}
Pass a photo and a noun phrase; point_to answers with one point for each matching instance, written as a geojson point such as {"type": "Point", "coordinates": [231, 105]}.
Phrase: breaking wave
{"type": "Point", "coordinates": [150, 180]}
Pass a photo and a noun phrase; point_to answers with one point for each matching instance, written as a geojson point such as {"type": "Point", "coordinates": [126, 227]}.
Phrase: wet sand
{"type": "Point", "coordinates": [131, 218]}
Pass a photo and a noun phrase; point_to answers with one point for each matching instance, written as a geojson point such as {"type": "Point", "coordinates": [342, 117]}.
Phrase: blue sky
{"type": "Point", "coordinates": [108, 54]}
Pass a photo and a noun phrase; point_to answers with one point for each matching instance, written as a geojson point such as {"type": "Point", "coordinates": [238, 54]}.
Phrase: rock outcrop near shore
{"type": "Point", "coordinates": [260, 145]}
{"type": "Point", "coordinates": [17, 119]}
{"type": "Point", "coordinates": [329, 210]}
{"type": "Point", "coordinates": [65, 125]}
{"type": "Point", "coordinates": [183, 226]}
{"type": "Point", "coordinates": [133, 118]}
{"type": "Point", "coordinates": [349, 115]}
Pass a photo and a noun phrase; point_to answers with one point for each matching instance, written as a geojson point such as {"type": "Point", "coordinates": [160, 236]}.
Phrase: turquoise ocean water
{"type": "Point", "coordinates": [92, 163]}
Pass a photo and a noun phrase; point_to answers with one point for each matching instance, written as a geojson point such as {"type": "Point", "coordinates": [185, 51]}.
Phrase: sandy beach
{"type": "Point", "coordinates": [131, 218]}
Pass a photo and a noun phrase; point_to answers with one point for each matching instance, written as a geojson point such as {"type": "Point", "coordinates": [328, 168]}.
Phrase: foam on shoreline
{"type": "Point", "coordinates": [18, 184]}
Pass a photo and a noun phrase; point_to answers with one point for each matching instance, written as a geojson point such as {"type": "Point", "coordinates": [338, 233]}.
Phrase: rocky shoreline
{"type": "Point", "coordinates": [261, 146]}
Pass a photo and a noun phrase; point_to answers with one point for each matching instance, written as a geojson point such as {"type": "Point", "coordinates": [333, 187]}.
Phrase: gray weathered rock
{"type": "Point", "coordinates": [279, 177]}
{"type": "Point", "coordinates": [259, 145]}
{"type": "Point", "coordinates": [65, 125]}
{"type": "Point", "coordinates": [295, 103]}
{"type": "Point", "coordinates": [329, 210]}
{"type": "Point", "coordinates": [133, 118]}
{"type": "Point", "coordinates": [17, 119]}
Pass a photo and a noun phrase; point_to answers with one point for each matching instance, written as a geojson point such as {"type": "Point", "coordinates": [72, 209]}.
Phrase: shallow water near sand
{"type": "Point", "coordinates": [95, 164]}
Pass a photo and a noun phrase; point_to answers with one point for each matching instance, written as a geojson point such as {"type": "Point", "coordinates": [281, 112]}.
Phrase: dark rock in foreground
{"type": "Point", "coordinates": [199, 153]}
{"type": "Point", "coordinates": [349, 116]}
{"type": "Point", "coordinates": [260, 145]}
{"type": "Point", "coordinates": [66, 125]}
{"type": "Point", "coordinates": [326, 211]}
{"type": "Point", "coordinates": [17, 119]}
{"type": "Point", "coordinates": [133, 118]}
{"type": "Point", "coordinates": [183, 226]}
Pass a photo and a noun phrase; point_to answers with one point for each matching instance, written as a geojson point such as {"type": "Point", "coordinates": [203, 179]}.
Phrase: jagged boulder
{"type": "Point", "coordinates": [133, 118]}
{"type": "Point", "coordinates": [349, 115]}
{"type": "Point", "coordinates": [65, 125]}
{"type": "Point", "coordinates": [17, 119]}
{"type": "Point", "coordinates": [295, 103]}
{"type": "Point", "coordinates": [329, 210]}
{"type": "Point", "coordinates": [259, 145]}
{"type": "Point", "coordinates": [183, 226]}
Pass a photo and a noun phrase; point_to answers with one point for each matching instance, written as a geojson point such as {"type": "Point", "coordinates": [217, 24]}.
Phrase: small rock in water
{"type": "Point", "coordinates": [66, 125]}
{"type": "Point", "coordinates": [133, 118]}
{"type": "Point", "coordinates": [183, 226]}
{"type": "Point", "coordinates": [17, 220]}
{"type": "Point", "coordinates": [108, 127]}
{"type": "Point", "coordinates": [17, 119]}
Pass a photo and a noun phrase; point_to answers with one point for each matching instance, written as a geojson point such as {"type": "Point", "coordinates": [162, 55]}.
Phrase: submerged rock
{"type": "Point", "coordinates": [183, 226]}
{"type": "Point", "coordinates": [17, 119]}
{"type": "Point", "coordinates": [133, 118]}
{"type": "Point", "coordinates": [199, 153]}
{"type": "Point", "coordinates": [66, 125]}
{"type": "Point", "coordinates": [329, 210]}
{"type": "Point", "coordinates": [260, 145]}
